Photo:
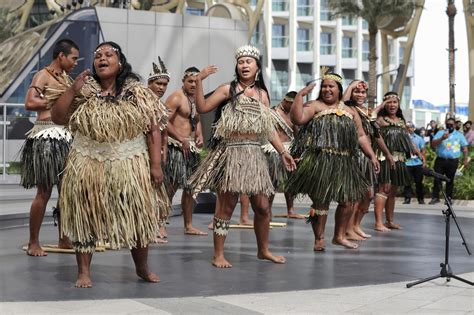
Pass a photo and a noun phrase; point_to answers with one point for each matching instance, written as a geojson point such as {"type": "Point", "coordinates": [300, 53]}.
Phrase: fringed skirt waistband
{"type": "Point", "coordinates": [103, 151]}
{"type": "Point", "coordinates": [44, 129]}
{"type": "Point", "coordinates": [192, 144]}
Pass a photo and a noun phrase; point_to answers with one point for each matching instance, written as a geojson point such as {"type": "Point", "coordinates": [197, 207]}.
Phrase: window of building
{"type": "Point", "coordinates": [348, 20]}
{"type": "Point", "coordinates": [195, 11]}
{"type": "Point", "coordinates": [256, 36]}
{"type": "Point", "coordinates": [325, 14]}
{"type": "Point", "coordinates": [435, 116]}
{"type": "Point", "coordinates": [304, 43]}
{"type": "Point", "coordinates": [365, 50]}
{"type": "Point", "coordinates": [279, 5]}
{"type": "Point", "coordinates": [279, 39]}
{"type": "Point", "coordinates": [401, 52]}
{"type": "Point", "coordinates": [391, 53]}
{"type": "Point", "coordinates": [365, 25]}
{"type": "Point", "coordinates": [303, 75]}
{"type": "Point", "coordinates": [347, 50]}
{"type": "Point", "coordinates": [326, 47]}
{"type": "Point", "coordinates": [406, 95]}
{"type": "Point", "coordinates": [305, 8]}
{"type": "Point", "coordinates": [348, 75]}
{"type": "Point", "coordinates": [420, 118]}
{"type": "Point", "coordinates": [278, 80]}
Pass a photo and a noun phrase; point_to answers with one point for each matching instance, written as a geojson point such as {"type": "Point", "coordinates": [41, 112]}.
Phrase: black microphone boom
{"type": "Point", "coordinates": [429, 172]}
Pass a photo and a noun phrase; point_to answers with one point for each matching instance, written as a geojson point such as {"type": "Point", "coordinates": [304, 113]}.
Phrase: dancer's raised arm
{"type": "Point", "coordinates": [220, 94]}
{"type": "Point", "coordinates": [301, 113]}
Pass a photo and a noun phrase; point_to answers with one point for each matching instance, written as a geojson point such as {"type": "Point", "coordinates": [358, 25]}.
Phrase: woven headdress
{"type": "Point", "coordinates": [159, 71]}
{"type": "Point", "coordinates": [247, 51]}
{"type": "Point", "coordinates": [326, 75]}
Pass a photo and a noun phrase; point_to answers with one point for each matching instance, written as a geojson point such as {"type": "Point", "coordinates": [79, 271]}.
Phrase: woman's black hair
{"type": "Point", "coordinates": [125, 69]}
{"type": "Point", "coordinates": [339, 85]}
{"type": "Point", "coordinates": [383, 112]}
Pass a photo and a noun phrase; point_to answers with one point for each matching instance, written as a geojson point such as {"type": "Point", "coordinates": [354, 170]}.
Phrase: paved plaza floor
{"type": "Point", "coordinates": [369, 280]}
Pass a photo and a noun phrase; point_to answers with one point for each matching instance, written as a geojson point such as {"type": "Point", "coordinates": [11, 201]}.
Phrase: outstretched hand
{"type": "Point", "coordinates": [376, 165]}
{"type": "Point", "coordinates": [307, 89]}
{"type": "Point", "coordinates": [207, 71]}
{"type": "Point", "coordinates": [288, 161]}
{"type": "Point", "coordinates": [80, 80]}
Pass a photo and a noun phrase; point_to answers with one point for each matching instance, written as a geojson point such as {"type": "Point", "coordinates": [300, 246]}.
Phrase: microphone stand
{"type": "Point", "coordinates": [446, 271]}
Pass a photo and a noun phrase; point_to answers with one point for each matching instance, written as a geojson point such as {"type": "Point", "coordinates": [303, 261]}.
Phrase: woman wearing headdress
{"type": "Point", "coordinates": [356, 96]}
{"type": "Point", "coordinates": [236, 164]}
{"type": "Point", "coordinates": [393, 129]}
{"type": "Point", "coordinates": [113, 168]}
{"type": "Point", "coordinates": [328, 169]}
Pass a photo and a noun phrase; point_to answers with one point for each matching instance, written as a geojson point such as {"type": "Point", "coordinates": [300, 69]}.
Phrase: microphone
{"type": "Point", "coordinates": [429, 172]}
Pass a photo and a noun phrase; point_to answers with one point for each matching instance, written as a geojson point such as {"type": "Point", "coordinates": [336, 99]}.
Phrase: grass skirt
{"type": "Point", "coordinates": [44, 154]}
{"type": "Point", "coordinates": [327, 177]}
{"type": "Point", "coordinates": [366, 168]}
{"type": "Point", "coordinates": [398, 176]}
{"type": "Point", "coordinates": [112, 199]}
{"type": "Point", "coordinates": [276, 168]}
{"type": "Point", "coordinates": [178, 169]}
{"type": "Point", "coordinates": [237, 167]}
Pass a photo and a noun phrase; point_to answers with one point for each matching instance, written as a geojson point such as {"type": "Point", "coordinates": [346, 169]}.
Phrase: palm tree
{"type": "Point", "coordinates": [373, 12]}
{"type": "Point", "coordinates": [451, 12]}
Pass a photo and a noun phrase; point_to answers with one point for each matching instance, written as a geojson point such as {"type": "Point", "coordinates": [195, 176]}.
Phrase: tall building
{"type": "Point", "coordinates": [303, 35]}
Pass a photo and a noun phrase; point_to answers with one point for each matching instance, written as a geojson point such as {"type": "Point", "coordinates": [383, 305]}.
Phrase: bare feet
{"type": "Point", "coordinates": [65, 243]}
{"type": "Point", "coordinates": [35, 250]}
{"type": "Point", "coordinates": [162, 231]}
{"type": "Point", "coordinates": [354, 236]}
{"type": "Point", "coordinates": [83, 281]}
{"type": "Point", "coordinates": [245, 222]}
{"type": "Point", "coordinates": [211, 225]}
{"type": "Point", "coordinates": [148, 275]}
{"type": "Point", "coordinates": [359, 231]}
{"type": "Point", "coordinates": [392, 225]}
{"type": "Point", "coordinates": [269, 256]}
{"type": "Point", "coordinates": [221, 262]}
{"type": "Point", "coordinates": [345, 242]}
{"type": "Point", "coordinates": [194, 231]}
{"type": "Point", "coordinates": [160, 240]}
{"type": "Point", "coordinates": [381, 228]}
{"type": "Point", "coordinates": [294, 215]}
{"type": "Point", "coordinates": [319, 245]}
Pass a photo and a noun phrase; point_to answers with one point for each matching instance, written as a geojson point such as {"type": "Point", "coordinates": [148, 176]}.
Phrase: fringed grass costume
{"type": "Point", "coordinates": [277, 169]}
{"type": "Point", "coordinates": [238, 165]}
{"type": "Point", "coordinates": [365, 164]}
{"type": "Point", "coordinates": [178, 168]}
{"type": "Point", "coordinates": [328, 169]}
{"type": "Point", "coordinates": [400, 146]}
{"type": "Point", "coordinates": [107, 192]}
{"type": "Point", "coordinates": [44, 153]}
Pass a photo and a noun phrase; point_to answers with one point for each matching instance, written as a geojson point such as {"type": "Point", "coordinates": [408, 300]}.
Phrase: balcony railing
{"type": "Point", "coordinates": [327, 49]}
{"type": "Point", "coordinates": [305, 10]}
{"type": "Point", "coordinates": [279, 6]}
{"type": "Point", "coordinates": [325, 15]}
{"type": "Point", "coordinates": [280, 41]}
{"type": "Point", "coordinates": [349, 52]}
{"type": "Point", "coordinates": [304, 45]}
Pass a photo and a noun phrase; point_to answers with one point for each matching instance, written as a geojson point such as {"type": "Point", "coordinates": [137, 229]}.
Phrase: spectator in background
{"type": "Point", "coordinates": [431, 129]}
{"type": "Point", "coordinates": [458, 125]}
{"type": "Point", "coordinates": [415, 167]}
{"type": "Point", "coordinates": [448, 143]}
{"type": "Point", "coordinates": [468, 132]}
